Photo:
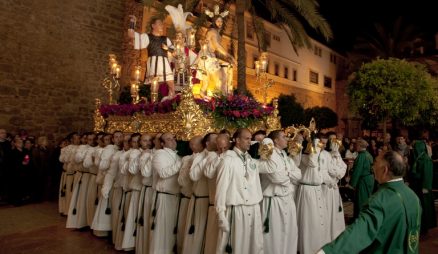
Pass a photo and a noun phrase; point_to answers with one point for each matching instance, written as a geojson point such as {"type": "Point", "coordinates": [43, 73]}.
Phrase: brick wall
{"type": "Point", "coordinates": [53, 57]}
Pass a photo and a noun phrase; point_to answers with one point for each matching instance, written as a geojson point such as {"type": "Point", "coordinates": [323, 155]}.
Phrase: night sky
{"type": "Point", "coordinates": [349, 18]}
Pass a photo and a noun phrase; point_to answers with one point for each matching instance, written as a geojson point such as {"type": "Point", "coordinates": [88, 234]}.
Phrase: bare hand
{"type": "Point", "coordinates": [164, 46]}
{"type": "Point", "coordinates": [131, 33]}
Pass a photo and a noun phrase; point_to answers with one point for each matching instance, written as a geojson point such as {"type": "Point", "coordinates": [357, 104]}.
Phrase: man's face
{"type": "Point", "coordinates": [28, 145]}
{"type": "Point", "coordinates": [146, 141]}
{"type": "Point", "coordinates": [158, 27]}
{"type": "Point", "coordinates": [169, 141]}
{"type": "Point", "coordinates": [84, 139]}
{"type": "Point", "coordinates": [401, 140]}
{"type": "Point", "coordinates": [134, 142]}
{"type": "Point", "coordinates": [76, 139]}
{"type": "Point", "coordinates": [222, 145]}
{"type": "Point", "coordinates": [244, 141]}
{"type": "Point", "coordinates": [380, 168]}
{"type": "Point", "coordinates": [219, 22]}
{"type": "Point", "coordinates": [18, 143]}
{"type": "Point", "coordinates": [107, 140]}
{"type": "Point", "coordinates": [211, 143]}
{"type": "Point", "coordinates": [2, 134]}
{"type": "Point", "coordinates": [118, 138]}
{"type": "Point", "coordinates": [196, 144]}
{"type": "Point", "coordinates": [157, 142]}
{"type": "Point", "coordinates": [90, 139]}
{"type": "Point", "coordinates": [281, 141]}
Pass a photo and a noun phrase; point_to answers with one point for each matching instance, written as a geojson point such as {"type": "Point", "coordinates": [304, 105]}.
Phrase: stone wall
{"type": "Point", "coordinates": [53, 57]}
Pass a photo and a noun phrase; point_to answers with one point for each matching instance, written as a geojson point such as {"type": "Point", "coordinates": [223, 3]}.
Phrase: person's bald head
{"type": "Point", "coordinates": [168, 141]}
{"type": "Point", "coordinates": [196, 144]}
{"type": "Point", "coordinates": [223, 143]}
{"type": "Point", "coordinates": [388, 166]}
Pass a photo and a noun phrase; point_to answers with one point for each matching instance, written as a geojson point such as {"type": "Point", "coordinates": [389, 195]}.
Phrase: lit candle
{"type": "Point", "coordinates": [118, 71]}
{"type": "Point", "coordinates": [137, 73]}
{"type": "Point", "coordinates": [257, 67]}
{"type": "Point", "coordinates": [264, 65]}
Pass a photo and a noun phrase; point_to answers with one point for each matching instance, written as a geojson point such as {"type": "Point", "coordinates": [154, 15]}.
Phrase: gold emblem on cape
{"type": "Point", "coordinates": [413, 240]}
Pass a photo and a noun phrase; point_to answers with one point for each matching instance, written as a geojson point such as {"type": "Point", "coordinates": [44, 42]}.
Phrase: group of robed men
{"type": "Point", "coordinates": [216, 200]}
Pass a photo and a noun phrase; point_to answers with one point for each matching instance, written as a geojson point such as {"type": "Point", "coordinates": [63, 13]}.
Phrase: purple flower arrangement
{"type": "Point", "coordinates": [232, 110]}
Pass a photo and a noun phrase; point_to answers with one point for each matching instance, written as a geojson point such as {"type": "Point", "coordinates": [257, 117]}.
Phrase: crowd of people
{"type": "Point", "coordinates": [29, 168]}
{"type": "Point", "coordinates": [223, 193]}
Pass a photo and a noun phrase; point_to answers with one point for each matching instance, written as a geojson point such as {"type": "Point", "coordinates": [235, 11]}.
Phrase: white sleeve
{"type": "Point", "coordinates": [134, 162]}
{"type": "Point", "coordinates": [183, 177]}
{"type": "Point", "coordinates": [88, 161]}
{"type": "Point", "coordinates": [80, 154]}
{"type": "Point", "coordinates": [294, 172]}
{"type": "Point", "coordinates": [110, 175]}
{"type": "Point", "coordinates": [197, 168]}
{"type": "Point", "coordinates": [211, 166]}
{"type": "Point", "coordinates": [141, 41]}
{"type": "Point", "coordinates": [338, 168]}
{"type": "Point", "coordinates": [222, 183]}
{"type": "Point", "coordinates": [105, 158]}
{"type": "Point", "coordinates": [165, 167]}
{"type": "Point", "coordinates": [145, 165]}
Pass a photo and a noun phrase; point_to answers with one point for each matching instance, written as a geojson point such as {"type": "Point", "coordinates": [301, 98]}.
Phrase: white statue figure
{"type": "Point", "coordinates": [213, 70]}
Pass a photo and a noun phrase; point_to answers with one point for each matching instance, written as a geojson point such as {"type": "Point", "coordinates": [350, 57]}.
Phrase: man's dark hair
{"type": "Point", "coordinates": [274, 134]}
{"type": "Point", "coordinates": [395, 163]}
{"type": "Point", "coordinates": [153, 20]}
{"type": "Point", "coordinates": [259, 132]}
{"type": "Point", "coordinates": [239, 132]}
{"type": "Point", "coordinates": [206, 138]}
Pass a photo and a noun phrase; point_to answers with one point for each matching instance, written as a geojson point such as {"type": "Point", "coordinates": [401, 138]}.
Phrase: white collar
{"type": "Point", "coordinates": [395, 180]}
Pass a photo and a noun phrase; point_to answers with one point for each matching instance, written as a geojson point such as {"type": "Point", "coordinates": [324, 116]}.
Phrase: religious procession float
{"type": "Point", "coordinates": [187, 89]}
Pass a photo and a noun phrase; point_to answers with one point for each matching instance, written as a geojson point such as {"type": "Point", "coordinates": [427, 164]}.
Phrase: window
{"type": "Point", "coordinates": [276, 38]}
{"type": "Point", "coordinates": [268, 39]}
{"type": "Point", "coordinates": [327, 82]}
{"type": "Point", "coordinates": [317, 51]}
{"type": "Point", "coordinates": [332, 58]}
{"type": "Point", "coordinates": [286, 72]}
{"type": "Point", "coordinates": [313, 77]}
{"type": "Point", "coordinates": [276, 69]}
{"type": "Point", "coordinates": [294, 75]}
{"type": "Point", "coordinates": [249, 30]}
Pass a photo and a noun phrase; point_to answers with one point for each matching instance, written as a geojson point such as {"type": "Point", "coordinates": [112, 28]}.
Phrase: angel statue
{"type": "Point", "coordinates": [214, 61]}
{"type": "Point", "coordinates": [183, 55]}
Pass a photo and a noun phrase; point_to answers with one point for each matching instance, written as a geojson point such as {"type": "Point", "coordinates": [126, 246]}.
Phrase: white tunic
{"type": "Point", "coordinates": [93, 189]}
{"type": "Point", "coordinates": [311, 208]}
{"type": "Point", "coordinates": [186, 193]}
{"type": "Point", "coordinates": [77, 215]}
{"type": "Point", "coordinates": [145, 203]}
{"type": "Point", "coordinates": [196, 220]}
{"type": "Point", "coordinates": [62, 200]}
{"type": "Point", "coordinates": [278, 207]}
{"type": "Point", "coordinates": [336, 169]}
{"type": "Point", "coordinates": [165, 167]}
{"type": "Point", "coordinates": [238, 194]}
{"type": "Point", "coordinates": [107, 161]}
{"type": "Point", "coordinates": [211, 233]}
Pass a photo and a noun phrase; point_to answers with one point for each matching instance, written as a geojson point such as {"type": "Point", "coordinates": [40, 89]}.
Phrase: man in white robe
{"type": "Point", "coordinates": [199, 202]}
{"type": "Point", "coordinates": [66, 184]}
{"type": "Point", "coordinates": [278, 207]}
{"type": "Point", "coordinates": [186, 184]}
{"type": "Point", "coordinates": [102, 217]}
{"type": "Point", "coordinates": [210, 171]}
{"type": "Point", "coordinates": [237, 200]}
{"type": "Point", "coordinates": [311, 206]}
{"type": "Point", "coordinates": [336, 170]}
{"type": "Point", "coordinates": [165, 167]}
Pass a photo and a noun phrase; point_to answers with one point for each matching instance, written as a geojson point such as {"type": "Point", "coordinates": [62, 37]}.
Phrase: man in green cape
{"type": "Point", "coordinates": [422, 173]}
{"type": "Point", "coordinates": [390, 221]}
{"type": "Point", "coordinates": [362, 179]}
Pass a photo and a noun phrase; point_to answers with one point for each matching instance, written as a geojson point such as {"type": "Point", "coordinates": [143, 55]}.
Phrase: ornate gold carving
{"type": "Point", "coordinates": [99, 121]}
{"type": "Point", "coordinates": [273, 121]}
{"type": "Point", "coordinates": [186, 122]}
{"type": "Point", "coordinates": [192, 119]}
